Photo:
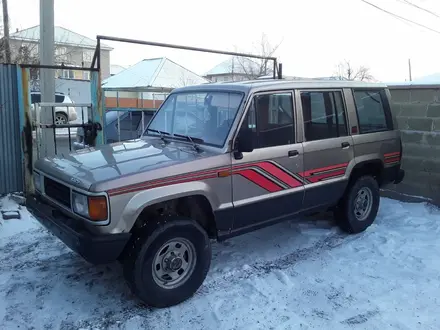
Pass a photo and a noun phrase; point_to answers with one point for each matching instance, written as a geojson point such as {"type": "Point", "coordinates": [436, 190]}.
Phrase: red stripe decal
{"type": "Point", "coordinates": [316, 178]}
{"type": "Point", "coordinates": [322, 169]}
{"type": "Point", "coordinates": [392, 154]}
{"type": "Point", "coordinates": [150, 185]}
{"type": "Point", "coordinates": [169, 179]}
{"type": "Point", "coordinates": [258, 179]}
{"type": "Point", "coordinates": [392, 160]}
{"type": "Point", "coordinates": [280, 174]}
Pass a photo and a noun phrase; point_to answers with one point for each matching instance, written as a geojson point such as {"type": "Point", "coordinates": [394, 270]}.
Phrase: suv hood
{"type": "Point", "coordinates": [95, 165]}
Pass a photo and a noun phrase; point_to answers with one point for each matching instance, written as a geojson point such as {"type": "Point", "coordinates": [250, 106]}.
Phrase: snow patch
{"type": "Point", "coordinates": [294, 275]}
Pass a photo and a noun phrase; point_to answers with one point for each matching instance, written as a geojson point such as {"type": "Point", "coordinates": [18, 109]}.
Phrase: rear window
{"type": "Point", "coordinates": [373, 111]}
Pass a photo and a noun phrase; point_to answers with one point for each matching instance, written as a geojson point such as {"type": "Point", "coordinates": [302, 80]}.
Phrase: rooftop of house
{"type": "Point", "coordinates": [62, 36]}
{"type": "Point", "coordinates": [235, 65]}
{"type": "Point", "coordinates": [153, 74]}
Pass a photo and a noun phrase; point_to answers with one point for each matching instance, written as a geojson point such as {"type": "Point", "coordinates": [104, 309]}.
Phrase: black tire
{"type": "Point", "coordinates": [63, 116]}
{"type": "Point", "coordinates": [345, 213]}
{"type": "Point", "coordinates": [139, 256]}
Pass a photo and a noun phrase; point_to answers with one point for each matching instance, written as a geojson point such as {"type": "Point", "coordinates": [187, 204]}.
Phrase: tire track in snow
{"type": "Point", "coordinates": [259, 269]}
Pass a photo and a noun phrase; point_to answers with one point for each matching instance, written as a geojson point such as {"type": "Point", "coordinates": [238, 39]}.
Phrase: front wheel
{"type": "Point", "coordinates": [358, 209]}
{"type": "Point", "coordinates": [168, 262]}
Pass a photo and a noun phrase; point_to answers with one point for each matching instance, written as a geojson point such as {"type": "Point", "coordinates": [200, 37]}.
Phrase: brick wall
{"type": "Point", "coordinates": [417, 111]}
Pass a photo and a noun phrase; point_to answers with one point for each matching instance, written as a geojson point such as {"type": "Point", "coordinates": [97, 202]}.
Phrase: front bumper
{"type": "Point", "coordinates": [96, 249]}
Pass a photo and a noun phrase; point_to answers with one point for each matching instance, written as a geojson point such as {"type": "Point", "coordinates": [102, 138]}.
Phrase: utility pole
{"type": "Point", "coordinates": [6, 31]}
{"type": "Point", "coordinates": [409, 69]}
{"type": "Point", "coordinates": [47, 76]}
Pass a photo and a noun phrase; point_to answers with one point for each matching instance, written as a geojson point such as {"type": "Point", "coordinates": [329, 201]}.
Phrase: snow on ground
{"type": "Point", "coordinates": [293, 275]}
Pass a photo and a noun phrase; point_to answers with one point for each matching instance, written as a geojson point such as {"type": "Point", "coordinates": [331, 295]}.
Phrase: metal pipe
{"type": "Point", "coordinates": [57, 67]}
{"type": "Point", "coordinates": [98, 50]}
{"type": "Point", "coordinates": [197, 49]}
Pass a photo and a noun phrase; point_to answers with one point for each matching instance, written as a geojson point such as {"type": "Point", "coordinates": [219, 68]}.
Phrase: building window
{"type": "Point", "coordinates": [372, 115]}
{"type": "Point", "coordinates": [86, 75]}
{"type": "Point", "coordinates": [324, 115]}
{"type": "Point", "coordinates": [87, 56]}
{"type": "Point", "coordinates": [68, 74]}
{"type": "Point", "coordinates": [61, 54]}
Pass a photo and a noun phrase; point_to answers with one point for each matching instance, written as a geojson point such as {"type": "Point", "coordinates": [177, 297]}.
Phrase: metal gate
{"type": "Point", "coordinates": [11, 161]}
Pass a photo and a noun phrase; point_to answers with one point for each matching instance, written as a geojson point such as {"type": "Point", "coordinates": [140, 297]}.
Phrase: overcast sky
{"type": "Point", "coordinates": [315, 34]}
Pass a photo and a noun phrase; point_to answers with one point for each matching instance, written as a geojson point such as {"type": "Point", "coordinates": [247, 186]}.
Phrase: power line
{"type": "Point", "coordinates": [400, 17]}
{"type": "Point", "coordinates": [409, 3]}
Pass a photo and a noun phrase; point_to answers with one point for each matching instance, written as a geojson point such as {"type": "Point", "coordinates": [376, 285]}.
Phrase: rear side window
{"type": "Point", "coordinates": [35, 98]}
{"type": "Point", "coordinates": [59, 98]}
{"type": "Point", "coordinates": [372, 111]}
{"type": "Point", "coordinates": [324, 115]}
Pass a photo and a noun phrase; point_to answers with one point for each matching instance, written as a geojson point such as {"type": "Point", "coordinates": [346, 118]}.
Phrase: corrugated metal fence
{"type": "Point", "coordinates": [11, 169]}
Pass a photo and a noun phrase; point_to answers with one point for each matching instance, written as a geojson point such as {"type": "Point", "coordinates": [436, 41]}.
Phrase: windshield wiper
{"type": "Point", "coordinates": [192, 140]}
{"type": "Point", "coordinates": [161, 133]}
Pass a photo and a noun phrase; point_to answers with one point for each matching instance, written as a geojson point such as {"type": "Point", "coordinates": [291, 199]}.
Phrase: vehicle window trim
{"type": "Point", "coordinates": [344, 104]}
{"type": "Point", "coordinates": [201, 91]}
{"type": "Point", "coordinates": [250, 98]}
{"type": "Point", "coordinates": [386, 109]}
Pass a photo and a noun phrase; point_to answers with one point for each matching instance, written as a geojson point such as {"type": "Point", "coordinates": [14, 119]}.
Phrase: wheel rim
{"type": "Point", "coordinates": [60, 120]}
{"type": "Point", "coordinates": [363, 203]}
{"type": "Point", "coordinates": [174, 263]}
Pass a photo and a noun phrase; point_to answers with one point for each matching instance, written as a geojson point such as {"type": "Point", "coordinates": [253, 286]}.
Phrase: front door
{"type": "Point", "coordinates": [266, 186]}
{"type": "Point", "coordinates": [328, 148]}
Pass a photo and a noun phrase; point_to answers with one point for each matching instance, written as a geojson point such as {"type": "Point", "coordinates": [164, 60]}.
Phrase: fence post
{"type": "Point", "coordinates": [98, 99]}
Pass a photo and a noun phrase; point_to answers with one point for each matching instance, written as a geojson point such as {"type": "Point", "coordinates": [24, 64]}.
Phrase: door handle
{"type": "Point", "coordinates": [293, 153]}
{"type": "Point", "coordinates": [345, 145]}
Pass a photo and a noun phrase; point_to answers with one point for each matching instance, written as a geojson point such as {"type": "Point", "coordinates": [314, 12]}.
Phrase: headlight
{"type": "Point", "coordinates": [91, 207]}
{"type": "Point", "coordinates": [37, 181]}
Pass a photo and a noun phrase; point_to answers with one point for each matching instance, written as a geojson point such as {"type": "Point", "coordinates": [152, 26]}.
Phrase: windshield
{"type": "Point", "coordinates": [205, 116]}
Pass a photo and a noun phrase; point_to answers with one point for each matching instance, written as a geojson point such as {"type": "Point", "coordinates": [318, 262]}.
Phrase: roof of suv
{"type": "Point", "coordinates": [274, 84]}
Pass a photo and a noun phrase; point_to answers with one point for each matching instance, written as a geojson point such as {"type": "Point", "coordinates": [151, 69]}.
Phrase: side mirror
{"type": "Point", "coordinates": [245, 141]}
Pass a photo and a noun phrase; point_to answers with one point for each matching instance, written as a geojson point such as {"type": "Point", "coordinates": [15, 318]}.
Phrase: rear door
{"type": "Point", "coordinates": [265, 184]}
{"type": "Point", "coordinates": [328, 148]}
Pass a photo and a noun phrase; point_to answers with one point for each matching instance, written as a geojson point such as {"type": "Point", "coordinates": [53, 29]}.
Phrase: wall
{"type": "Point", "coordinates": [11, 163]}
{"type": "Point", "coordinates": [417, 111]}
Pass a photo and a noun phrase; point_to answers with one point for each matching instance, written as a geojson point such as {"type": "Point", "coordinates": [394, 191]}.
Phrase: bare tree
{"type": "Point", "coordinates": [252, 68]}
{"type": "Point", "coordinates": [346, 71]}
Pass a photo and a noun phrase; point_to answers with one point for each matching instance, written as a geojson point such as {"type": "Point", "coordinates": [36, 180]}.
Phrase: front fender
{"type": "Point", "coordinates": [149, 197]}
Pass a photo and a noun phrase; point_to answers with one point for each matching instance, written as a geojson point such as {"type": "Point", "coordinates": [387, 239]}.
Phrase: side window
{"type": "Point", "coordinates": [59, 98]}
{"type": "Point", "coordinates": [131, 121]}
{"type": "Point", "coordinates": [271, 118]}
{"type": "Point", "coordinates": [324, 115]}
{"type": "Point", "coordinates": [35, 98]}
{"type": "Point", "coordinates": [371, 111]}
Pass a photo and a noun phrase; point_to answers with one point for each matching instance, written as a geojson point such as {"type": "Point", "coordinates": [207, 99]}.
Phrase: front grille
{"type": "Point", "coordinates": [57, 191]}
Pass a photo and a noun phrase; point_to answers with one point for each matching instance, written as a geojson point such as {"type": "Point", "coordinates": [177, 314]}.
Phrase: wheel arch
{"type": "Point", "coordinates": [194, 200]}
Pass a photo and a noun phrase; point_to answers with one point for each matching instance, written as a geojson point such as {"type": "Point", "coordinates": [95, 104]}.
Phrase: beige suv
{"type": "Point", "coordinates": [216, 161]}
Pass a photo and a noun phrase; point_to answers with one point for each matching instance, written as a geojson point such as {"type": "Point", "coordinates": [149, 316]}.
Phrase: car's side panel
{"type": "Point", "coordinates": [265, 182]}
{"type": "Point", "coordinates": [326, 164]}
{"type": "Point", "coordinates": [201, 177]}
{"type": "Point", "coordinates": [382, 146]}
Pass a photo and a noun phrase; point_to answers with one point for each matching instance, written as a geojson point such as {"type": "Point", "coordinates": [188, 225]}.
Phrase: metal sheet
{"type": "Point", "coordinates": [11, 162]}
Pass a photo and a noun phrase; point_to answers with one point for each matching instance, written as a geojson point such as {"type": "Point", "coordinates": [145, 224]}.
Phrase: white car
{"type": "Point", "coordinates": [63, 114]}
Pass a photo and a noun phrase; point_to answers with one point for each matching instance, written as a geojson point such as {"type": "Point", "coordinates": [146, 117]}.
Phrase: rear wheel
{"type": "Point", "coordinates": [61, 118]}
{"type": "Point", "coordinates": [358, 209]}
{"type": "Point", "coordinates": [167, 262]}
